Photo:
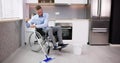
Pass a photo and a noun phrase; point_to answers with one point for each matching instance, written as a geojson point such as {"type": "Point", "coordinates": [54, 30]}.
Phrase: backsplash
{"type": "Point", "coordinates": [64, 11]}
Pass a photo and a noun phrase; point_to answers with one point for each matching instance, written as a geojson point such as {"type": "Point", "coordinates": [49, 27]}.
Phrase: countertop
{"type": "Point", "coordinates": [18, 19]}
{"type": "Point", "coordinates": [62, 19]}
{"type": "Point", "coordinates": [9, 19]}
{"type": "Point", "coordinates": [53, 19]}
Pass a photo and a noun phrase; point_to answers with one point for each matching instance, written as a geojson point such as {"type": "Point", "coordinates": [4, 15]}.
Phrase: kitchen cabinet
{"type": "Point", "coordinates": [79, 1]}
{"type": "Point", "coordinates": [32, 1]}
{"type": "Point", "coordinates": [12, 8]}
{"type": "Point", "coordinates": [45, 1]}
{"type": "Point", "coordinates": [40, 1]}
{"type": "Point", "coordinates": [80, 30]}
{"type": "Point", "coordinates": [59, 1]}
{"type": "Point", "coordinates": [62, 1]}
{"type": "Point", "coordinates": [71, 1]}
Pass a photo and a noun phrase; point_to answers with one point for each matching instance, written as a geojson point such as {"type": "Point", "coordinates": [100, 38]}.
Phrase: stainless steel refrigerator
{"type": "Point", "coordinates": [99, 22]}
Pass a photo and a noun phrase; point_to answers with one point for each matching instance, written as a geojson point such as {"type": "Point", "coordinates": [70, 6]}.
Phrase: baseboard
{"type": "Point", "coordinates": [99, 44]}
{"type": "Point", "coordinates": [117, 45]}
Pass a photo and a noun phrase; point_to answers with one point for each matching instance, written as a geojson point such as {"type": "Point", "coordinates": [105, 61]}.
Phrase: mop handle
{"type": "Point", "coordinates": [42, 47]}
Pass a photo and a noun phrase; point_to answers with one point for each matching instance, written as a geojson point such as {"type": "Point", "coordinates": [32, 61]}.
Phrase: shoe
{"type": "Point", "coordinates": [55, 48]}
{"type": "Point", "coordinates": [62, 45]}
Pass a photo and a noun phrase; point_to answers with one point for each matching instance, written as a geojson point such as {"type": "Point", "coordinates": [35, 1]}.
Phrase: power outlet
{"type": "Point", "coordinates": [57, 13]}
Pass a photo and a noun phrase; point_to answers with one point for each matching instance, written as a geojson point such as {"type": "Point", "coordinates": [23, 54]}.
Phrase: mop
{"type": "Point", "coordinates": [47, 59]}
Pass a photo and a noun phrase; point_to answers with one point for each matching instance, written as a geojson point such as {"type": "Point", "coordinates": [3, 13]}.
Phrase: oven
{"type": "Point", "coordinates": [66, 30]}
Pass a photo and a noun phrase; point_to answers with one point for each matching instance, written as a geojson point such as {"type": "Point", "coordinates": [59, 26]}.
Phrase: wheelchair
{"type": "Point", "coordinates": [44, 41]}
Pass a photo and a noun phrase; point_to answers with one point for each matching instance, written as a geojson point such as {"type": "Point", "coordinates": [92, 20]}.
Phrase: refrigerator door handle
{"type": "Point", "coordinates": [99, 8]}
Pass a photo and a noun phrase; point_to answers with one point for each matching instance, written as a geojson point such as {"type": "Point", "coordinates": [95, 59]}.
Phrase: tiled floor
{"type": "Point", "coordinates": [90, 54]}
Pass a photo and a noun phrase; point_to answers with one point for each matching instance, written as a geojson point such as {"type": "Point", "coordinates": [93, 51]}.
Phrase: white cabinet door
{"type": "Point", "coordinates": [71, 1]}
{"type": "Point", "coordinates": [80, 31]}
{"type": "Point", "coordinates": [78, 1]}
{"type": "Point", "coordinates": [32, 1]}
{"type": "Point", "coordinates": [62, 1]}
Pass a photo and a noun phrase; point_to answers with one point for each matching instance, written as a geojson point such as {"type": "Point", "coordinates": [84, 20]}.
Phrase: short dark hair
{"type": "Point", "coordinates": [38, 7]}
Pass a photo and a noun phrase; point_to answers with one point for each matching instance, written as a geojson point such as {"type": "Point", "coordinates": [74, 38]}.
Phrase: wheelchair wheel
{"type": "Point", "coordinates": [34, 43]}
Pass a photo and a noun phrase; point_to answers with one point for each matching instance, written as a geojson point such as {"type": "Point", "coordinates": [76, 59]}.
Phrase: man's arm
{"type": "Point", "coordinates": [29, 22]}
{"type": "Point", "coordinates": [45, 24]}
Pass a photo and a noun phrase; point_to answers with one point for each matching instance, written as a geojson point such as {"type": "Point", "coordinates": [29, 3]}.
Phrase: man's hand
{"type": "Point", "coordinates": [32, 26]}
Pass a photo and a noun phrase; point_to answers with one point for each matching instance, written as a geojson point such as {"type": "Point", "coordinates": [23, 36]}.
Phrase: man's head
{"type": "Point", "coordinates": [39, 10]}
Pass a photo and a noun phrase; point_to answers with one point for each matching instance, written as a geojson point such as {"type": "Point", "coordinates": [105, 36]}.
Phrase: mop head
{"type": "Point", "coordinates": [48, 59]}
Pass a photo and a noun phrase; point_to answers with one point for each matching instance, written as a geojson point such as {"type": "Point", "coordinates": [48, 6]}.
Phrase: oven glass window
{"type": "Point", "coordinates": [67, 34]}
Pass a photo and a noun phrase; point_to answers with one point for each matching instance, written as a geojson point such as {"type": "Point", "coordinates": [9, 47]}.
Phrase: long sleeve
{"type": "Point", "coordinates": [45, 24]}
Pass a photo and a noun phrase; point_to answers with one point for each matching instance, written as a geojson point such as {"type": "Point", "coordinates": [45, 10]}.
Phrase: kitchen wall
{"type": "Point", "coordinates": [64, 11]}
{"type": "Point", "coordinates": [10, 38]}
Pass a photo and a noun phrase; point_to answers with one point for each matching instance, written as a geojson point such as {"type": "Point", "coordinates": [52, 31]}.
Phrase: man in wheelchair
{"type": "Point", "coordinates": [40, 21]}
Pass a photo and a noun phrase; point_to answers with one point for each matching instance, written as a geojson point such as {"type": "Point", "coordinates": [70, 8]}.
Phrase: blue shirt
{"type": "Point", "coordinates": [39, 21]}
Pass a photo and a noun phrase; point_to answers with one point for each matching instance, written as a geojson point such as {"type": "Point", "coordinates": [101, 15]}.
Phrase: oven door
{"type": "Point", "coordinates": [67, 32]}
